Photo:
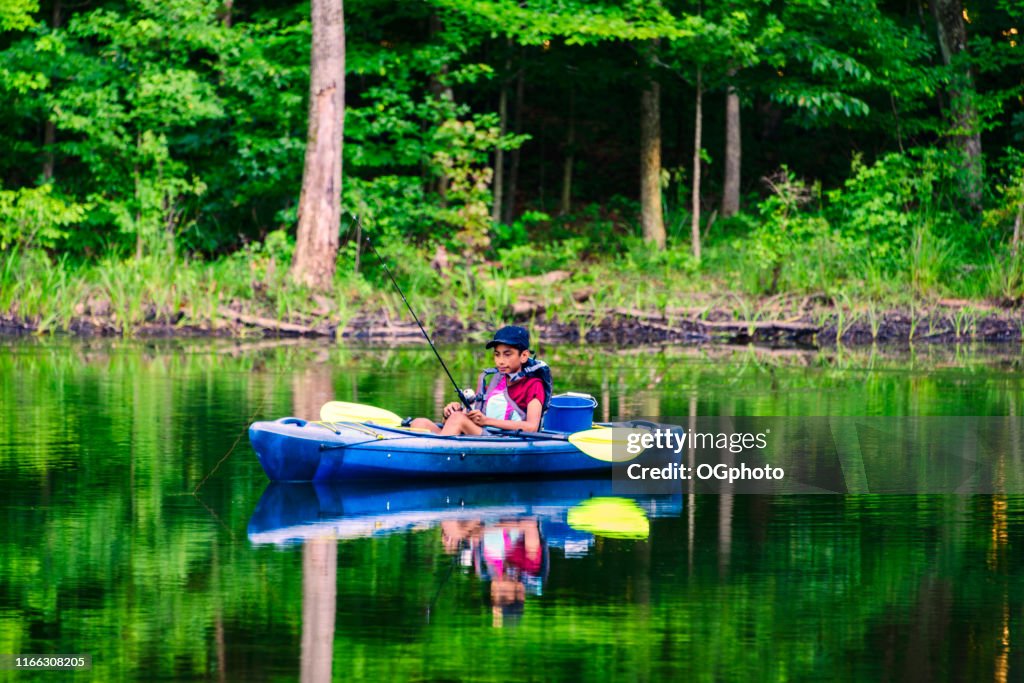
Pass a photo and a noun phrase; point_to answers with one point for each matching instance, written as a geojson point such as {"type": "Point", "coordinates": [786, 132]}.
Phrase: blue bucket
{"type": "Point", "coordinates": [570, 413]}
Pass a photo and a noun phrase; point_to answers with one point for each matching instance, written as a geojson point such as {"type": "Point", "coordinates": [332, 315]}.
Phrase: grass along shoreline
{"type": "Point", "coordinates": [597, 302]}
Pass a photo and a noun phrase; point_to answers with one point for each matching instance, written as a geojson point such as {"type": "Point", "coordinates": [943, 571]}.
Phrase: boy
{"type": "Point", "coordinates": [512, 395]}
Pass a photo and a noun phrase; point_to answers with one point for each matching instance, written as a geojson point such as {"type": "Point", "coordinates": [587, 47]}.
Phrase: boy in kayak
{"type": "Point", "coordinates": [512, 395]}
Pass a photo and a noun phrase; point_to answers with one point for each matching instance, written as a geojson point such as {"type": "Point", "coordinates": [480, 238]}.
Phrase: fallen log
{"type": "Point", "coordinates": [672, 313]}
{"type": "Point", "coordinates": [266, 323]}
{"type": "Point", "coordinates": [761, 325]}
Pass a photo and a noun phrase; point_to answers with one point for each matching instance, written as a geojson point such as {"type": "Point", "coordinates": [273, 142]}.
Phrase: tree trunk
{"type": "Point", "coordinates": [49, 138]}
{"type": "Point", "coordinates": [316, 248]}
{"type": "Point", "coordinates": [137, 178]}
{"type": "Point", "coordinates": [312, 387]}
{"type": "Point", "coordinates": [499, 154]}
{"type": "Point", "coordinates": [695, 199]}
{"type": "Point", "coordinates": [651, 218]}
{"type": "Point", "coordinates": [49, 129]}
{"type": "Point", "coordinates": [570, 145]}
{"type": "Point", "coordinates": [1017, 223]}
{"type": "Point", "coordinates": [319, 603]}
{"type": "Point", "coordinates": [733, 152]}
{"type": "Point", "coordinates": [517, 128]}
{"type": "Point", "coordinates": [691, 500]}
{"type": "Point", "coordinates": [499, 157]}
{"type": "Point", "coordinates": [949, 18]}
{"type": "Point", "coordinates": [725, 499]}
{"type": "Point", "coordinates": [442, 90]}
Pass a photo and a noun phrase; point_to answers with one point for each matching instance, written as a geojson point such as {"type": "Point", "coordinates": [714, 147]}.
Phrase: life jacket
{"type": "Point", "coordinates": [492, 390]}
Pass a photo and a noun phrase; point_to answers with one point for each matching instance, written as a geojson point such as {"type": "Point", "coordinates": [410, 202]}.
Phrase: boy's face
{"type": "Point", "coordinates": [509, 359]}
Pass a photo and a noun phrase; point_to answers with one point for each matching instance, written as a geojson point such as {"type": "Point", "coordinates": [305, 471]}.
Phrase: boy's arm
{"type": "Point", "coordinates": [530, 424]}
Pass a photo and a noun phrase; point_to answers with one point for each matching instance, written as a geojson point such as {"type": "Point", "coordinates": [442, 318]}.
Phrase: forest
{"type": "Point", "coordinates": [552, 158]}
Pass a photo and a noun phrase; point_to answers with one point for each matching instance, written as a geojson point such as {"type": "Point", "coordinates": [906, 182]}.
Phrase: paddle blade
{"type": "Point", "coordinates": [610, 517]}
{"type": "Point", "coordinates": [609, 445]}
{"type": "Point", "coordinates": [340, 411]}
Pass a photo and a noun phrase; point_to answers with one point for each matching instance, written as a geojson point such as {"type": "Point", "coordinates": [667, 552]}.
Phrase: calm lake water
{"type": "Point", "coordinates": [139, 529]}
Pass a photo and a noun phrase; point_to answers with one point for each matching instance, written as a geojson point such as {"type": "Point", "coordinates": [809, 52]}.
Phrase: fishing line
{"type": "Point", "coordinates": [426, 336]}
{"type": "Point", "coordinates": [444, 582]}
{"type": "Point", "coordinates": [216, 517]}
{"type": "Point", "coordinates": [259, 407]}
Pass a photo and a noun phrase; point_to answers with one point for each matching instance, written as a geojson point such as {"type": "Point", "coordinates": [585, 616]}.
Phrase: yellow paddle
{"type": "Point", "coordinates": [609, 445]}
{"type": "Point", "coordinates": [610, 517]}
{"type": "Point", "coordinates": [340, 411]}
{"type": "Point", "coordinates": [600, 443]}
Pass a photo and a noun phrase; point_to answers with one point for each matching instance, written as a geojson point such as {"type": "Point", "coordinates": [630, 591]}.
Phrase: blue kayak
{"type": "Point", "coordinates": [292, 449]}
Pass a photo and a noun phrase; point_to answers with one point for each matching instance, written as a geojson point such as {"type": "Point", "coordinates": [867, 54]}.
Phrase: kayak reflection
{"type": "Point", "coordinates": [292, 513]}
{"type": "Point", "coordinates": [502, 532]}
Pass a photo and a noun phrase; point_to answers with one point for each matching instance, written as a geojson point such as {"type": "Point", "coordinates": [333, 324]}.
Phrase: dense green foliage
{"type": "Point", "coordinates": [175, 130]}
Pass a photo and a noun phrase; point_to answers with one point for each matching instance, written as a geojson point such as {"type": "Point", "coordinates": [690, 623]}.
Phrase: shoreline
{"type": "Point", "coordinates": [946, 322]}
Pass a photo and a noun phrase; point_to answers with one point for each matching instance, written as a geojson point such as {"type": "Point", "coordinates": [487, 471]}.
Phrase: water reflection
{"type": "Point", "coordinates": [107, 552]}
{"type": "Point", "coordinates": [319, 597]}
{"type": "Point", "coordinates": [292, 513]}
{"type": "Point", "coordinates": [502, 533]}
{"type": "Point", "coordinates": [510, 555]}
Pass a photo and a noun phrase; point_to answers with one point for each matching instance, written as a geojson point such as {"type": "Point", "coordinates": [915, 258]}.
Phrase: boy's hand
{"type": "Point", "coordinates": [477, 417]}
{"type": "Point", "coordinates": [453, 407]}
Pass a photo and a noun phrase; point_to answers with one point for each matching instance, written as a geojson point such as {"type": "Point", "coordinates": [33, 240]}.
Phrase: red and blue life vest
{"type": "Point", "coordinates": [492, 390]}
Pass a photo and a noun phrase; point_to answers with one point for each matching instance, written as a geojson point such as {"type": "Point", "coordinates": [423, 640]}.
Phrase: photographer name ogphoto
{"type": "Point", "coordinates": [706, 471]}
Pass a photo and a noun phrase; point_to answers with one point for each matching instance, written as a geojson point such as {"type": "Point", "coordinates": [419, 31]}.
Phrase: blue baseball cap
{"type": "Point", "coordinates": [512, 335]}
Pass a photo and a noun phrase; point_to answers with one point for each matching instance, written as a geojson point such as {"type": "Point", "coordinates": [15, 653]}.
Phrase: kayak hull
{"type": "Point", "coordinates": [292, 449]}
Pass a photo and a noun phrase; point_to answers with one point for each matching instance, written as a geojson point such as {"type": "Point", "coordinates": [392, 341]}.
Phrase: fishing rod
{"type": "Point", "coordinates": [444, 582]}
{"type": "Point", "coordinates": [426, 336]}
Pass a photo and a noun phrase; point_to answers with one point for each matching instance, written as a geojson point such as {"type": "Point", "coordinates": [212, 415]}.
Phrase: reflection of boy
{"type": "Point", "coordinates": [513, 398]}
{"type": "Point", "coordinates": [459, 533]}
{"type": "Point", "coordinates": [509, 554]}
{"type": "Point", "coordinates": [512, 545]}
{"type": "Point", "coordinates": [507, 599]}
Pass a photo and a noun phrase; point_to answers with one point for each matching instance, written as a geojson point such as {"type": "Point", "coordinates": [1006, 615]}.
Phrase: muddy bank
{"type": "Point", "coordinates": [947, 322]}
{"type": "Point", "coordinates": [943, 325]}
